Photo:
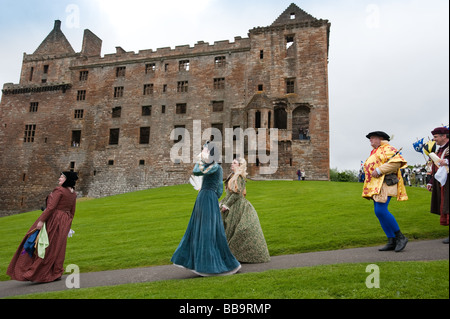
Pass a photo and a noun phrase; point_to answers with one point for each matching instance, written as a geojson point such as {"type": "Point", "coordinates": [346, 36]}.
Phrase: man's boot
{"type": "Point", "coordinates": [389, 246]}
{"type": "Point", "coordinates": [401, 241]}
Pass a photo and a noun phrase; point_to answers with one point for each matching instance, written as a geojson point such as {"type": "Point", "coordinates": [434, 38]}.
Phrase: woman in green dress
{"type": "Point", "coordinates": [242, 227]}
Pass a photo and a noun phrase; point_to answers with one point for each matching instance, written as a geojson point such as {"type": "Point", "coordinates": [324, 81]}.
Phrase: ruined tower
{"type": "Point", "coordinates": [110, 118]}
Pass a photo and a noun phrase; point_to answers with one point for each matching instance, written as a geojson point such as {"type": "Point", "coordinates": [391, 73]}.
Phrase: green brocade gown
{"type": "Point", "coordinates": [242, 228]}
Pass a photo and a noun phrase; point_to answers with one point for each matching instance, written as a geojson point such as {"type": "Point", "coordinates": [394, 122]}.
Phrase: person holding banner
{"type": "Point", "coordinates": [383, 180]}
{"type": "Point", "coordinates": [438, 184]}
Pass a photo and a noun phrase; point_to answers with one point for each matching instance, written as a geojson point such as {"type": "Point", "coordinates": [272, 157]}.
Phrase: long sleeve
{"type": "Point", "coordinates": [219, 190]}
{"type": "Point", "coordinates": [389, 168]}
{"type": "Point", "coordinates": [52, 203]}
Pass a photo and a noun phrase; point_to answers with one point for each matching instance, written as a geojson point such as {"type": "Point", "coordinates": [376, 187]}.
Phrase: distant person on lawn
{"type": "Point", "coordinates": [383, 180]}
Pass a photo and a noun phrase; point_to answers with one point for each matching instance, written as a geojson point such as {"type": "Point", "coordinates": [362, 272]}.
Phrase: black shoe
{"type": "Point", "coordinates": [445, 241]}
{"type": "Point", "coordinates": [389, 246]}
{"type": "Point", "coordinates": [401, 241]}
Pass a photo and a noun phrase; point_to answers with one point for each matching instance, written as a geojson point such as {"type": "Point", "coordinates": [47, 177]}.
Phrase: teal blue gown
{"type": "Point", "coordinates": [204, 247]}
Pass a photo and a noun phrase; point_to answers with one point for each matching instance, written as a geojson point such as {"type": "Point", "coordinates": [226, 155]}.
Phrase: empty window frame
{"type": "Point", "coordinates": [118, 91]}
{"type": "Point", "coordinates": [150, 68]}
{"type": "Point", "coordinates": [290, 86]}
{"type": "Point", "coordinates": [217, 106]}
{"type": "Point", "coordinates": [81, 95]}
{"type": "Point", "coordinates": [183, 65]}
{"type": "Point", "coordinates": [182, 86]}
{"type": "Point", "coordinates": [220, 62]}
{"type": "Point", "coordinates": [219, 84]}
{"type": "Point", "coordinates": [79, 114]}
{"type": "Point", "coordinates": [84, 76]}
{"type": "Point", "coordinates": [181, 108]}
{"type": "Point", "coordinates": [120, 71]}
{"type": "Point", "coordinates": [34, 107]}
{"type": "Point", "coordinates": [76, 138]}
{"type": "Point", "coordinates": [30, 132]}
{"type": "Point", "coordinates": [289, 41]}
{"type": "Point", "coordinates": [117, 112]}
{"type": "Point", "coordinates": [46, 69]}
{"type": "Point", "coordinates": [144, 135]}
{"type": "Point", "coordinates": [148, 89]}
{"type": "Point", "coordinates": [147, 110]}
{"type": "Point", "coordinates": [114, 136]}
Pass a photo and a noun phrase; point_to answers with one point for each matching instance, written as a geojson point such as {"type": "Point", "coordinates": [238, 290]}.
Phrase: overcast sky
{"type": "Point", "coordinates": [388, 63]}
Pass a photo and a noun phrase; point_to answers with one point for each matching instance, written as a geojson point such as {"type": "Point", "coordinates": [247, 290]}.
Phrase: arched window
{"type": "Point", "coordinates": [300, 123]}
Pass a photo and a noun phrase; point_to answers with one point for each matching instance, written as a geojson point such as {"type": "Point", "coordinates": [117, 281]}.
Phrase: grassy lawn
{"type": "Point", "coordinates": [144, 228]}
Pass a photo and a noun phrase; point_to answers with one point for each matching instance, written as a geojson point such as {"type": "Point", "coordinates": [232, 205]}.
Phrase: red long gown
{"type": "Point", "coordinates": [58, 217]}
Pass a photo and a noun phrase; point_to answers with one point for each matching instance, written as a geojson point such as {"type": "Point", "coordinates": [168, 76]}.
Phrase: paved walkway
{"type": "Point", "coordinates": [415, 251]}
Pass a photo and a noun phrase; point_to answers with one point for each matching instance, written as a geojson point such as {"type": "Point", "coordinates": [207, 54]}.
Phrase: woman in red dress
{"type": "Point", "coordinates": [58, 218]}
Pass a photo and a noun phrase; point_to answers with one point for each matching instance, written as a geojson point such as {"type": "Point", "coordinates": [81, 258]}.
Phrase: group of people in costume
{"type": "Point", "coordinates": [222, 235]}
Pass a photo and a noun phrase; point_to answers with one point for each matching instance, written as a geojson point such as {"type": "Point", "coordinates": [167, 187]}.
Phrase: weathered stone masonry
{"type": "Point", "coordinates": [110, 118]}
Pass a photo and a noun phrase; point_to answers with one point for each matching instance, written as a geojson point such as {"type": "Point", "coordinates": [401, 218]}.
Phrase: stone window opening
{"type": "Point", "coordinates": [118, 91]}
{"type": "Point", "coordinates": [219, 84]}
{"type": "Point", "coordinates": [147, 110]}
{"type": "Point", "coordinates": [76, 138]}
{"type": "Point", "coordinates": [261, 54]}
{"type": "Point", "coordinates": [31, 73]}
{"type": "Point", "coordinates": [117, 112]}
{"type": "Point", "coordinates": [182, 86]}
{"type": "Point", "coordinates": [184, 65]}
{"type": "Point", "coordinates": [114, 136]}
{"type": "Point", "coordinates": [292, 16]}
{"type": "Point", "coordinates": [34, 107]}
{"type": "Point", "coordinates": [181, 108]}
{"type": "Point", "coordinates": [300, 123]}
{"type": "Point", "coordinates": [280, 118]}
{"type": "Point", "coordinates": [144, 135]}
{"type": "Point", "coordinates": [220, 62]}
{"type": "Point", "coordinates": [257, 119]}
{"type": "Point", "coordinates": [163, 109]}
{"type": "Point", "coordinates": [120, 71]}
{"type": "Point", "coordinates": [217, 106]}
{"type": "Point", "coordinates": [30, 132]}
{"type": "Point", "coordinates": [290, 86]}
{"type": "Point", "coordinates": [46, 69]}
{"type": "Point", "coordinates": [141, 162]}
{"type": "Point", "coordinates": [148, 89]}
{"type": "Point", "coordinates": [289, 42]}
{"type": "Point", "coordinates": [150, 68]}
{"type": "Point", "coordinates": [84, 76]}
{"type": "Point", "coordinates": [111, 162]}
{"type": "Point", "coordinates": [79, 114]}
{"type": "Point", "coordinates": [81, 95]}
{"type": "Point", "coordinates": [72, 166]}
{"type": "Point", "coordinates": [260, 87]}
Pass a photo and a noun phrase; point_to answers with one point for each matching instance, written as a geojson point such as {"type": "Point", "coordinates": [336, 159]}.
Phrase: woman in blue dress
{"type": "Point", "coordinates": [204, 247]}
